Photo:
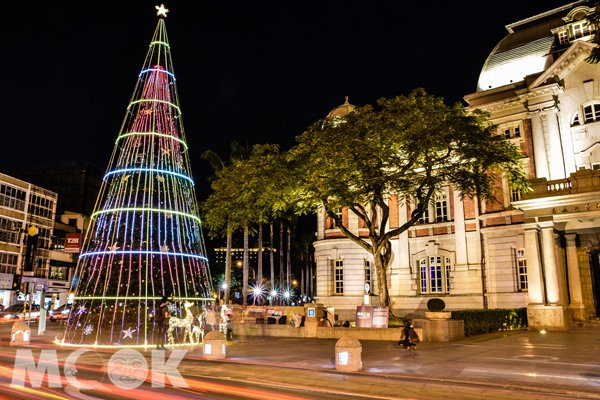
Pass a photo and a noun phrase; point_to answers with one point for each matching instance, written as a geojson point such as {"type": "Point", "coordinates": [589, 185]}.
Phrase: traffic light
{"type": "Point", "coordinates": [16, 283]}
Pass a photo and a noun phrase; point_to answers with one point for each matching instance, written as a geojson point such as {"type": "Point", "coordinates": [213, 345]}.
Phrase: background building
{"type": "Point", "coordinates": [540, 249]}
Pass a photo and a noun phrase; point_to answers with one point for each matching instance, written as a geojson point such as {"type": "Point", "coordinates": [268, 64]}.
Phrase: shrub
{"type": "Point", "coordinates": [436, 305]}
{"type": "Point", "coordinates": [478, 322]}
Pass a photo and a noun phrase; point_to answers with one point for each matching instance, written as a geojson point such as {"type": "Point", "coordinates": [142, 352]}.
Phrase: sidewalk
{"type": "Point", "coordinates": [556, 362]}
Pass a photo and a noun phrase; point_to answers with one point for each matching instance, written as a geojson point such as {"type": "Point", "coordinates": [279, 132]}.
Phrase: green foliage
{"type": "Point", "coordinates": [436, 305]}
{"type": "Point", "coordinates": [478, 322]}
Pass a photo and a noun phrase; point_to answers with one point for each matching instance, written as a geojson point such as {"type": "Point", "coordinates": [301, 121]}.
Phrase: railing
{"type": "Point", "coordinates": [582, 181]}
{"type": "Point", "coordinates": [558, 185]}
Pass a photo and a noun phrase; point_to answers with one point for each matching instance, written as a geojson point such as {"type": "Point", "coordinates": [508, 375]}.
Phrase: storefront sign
{"type": "Point", "coordinates": [380, 317]}
{"type": "Point", "coordinates": [72, 242]}
{"type": "Point", "coordinates": [6, 281]}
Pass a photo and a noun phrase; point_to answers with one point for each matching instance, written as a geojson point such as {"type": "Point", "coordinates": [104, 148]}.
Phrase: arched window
{"type": "Point", "coordinates": [435, 274]}
{"type": "Point", "coordinates": [591, 113]}
{"type": "Point", "coordinates": [575, 120]}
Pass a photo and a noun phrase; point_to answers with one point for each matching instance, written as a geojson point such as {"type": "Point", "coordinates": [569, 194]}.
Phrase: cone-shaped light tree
{"type": "Point", "coordinates": [145, 239]}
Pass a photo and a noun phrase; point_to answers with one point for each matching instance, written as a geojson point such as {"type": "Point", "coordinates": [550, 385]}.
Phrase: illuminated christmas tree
{"type": "Point", "coordinates": [145, 239]}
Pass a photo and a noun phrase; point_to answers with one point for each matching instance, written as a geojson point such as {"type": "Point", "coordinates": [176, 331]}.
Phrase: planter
{"type": "Point", "coordinates": [438, 314]}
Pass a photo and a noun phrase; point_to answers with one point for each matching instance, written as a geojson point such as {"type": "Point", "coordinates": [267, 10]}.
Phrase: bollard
{"type": "Point", "coordinates": [214, 346]}
{"type": "Point", "coordinates": [348, 355]}
{"type": "Point", "coordinates": [20, 334]}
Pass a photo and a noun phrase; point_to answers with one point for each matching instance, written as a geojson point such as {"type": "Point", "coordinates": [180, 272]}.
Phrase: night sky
{"type": "Point", "coordinates": [251, 71]}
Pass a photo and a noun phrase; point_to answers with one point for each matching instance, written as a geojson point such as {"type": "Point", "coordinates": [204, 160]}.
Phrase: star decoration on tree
{"type": "Point", "coordinates": [114, 248]}
{"type": "Point", "coordinates": [128, 333]}
{"type": "Point", "coordinates": [166, 151]}
{"type": "Point", "coordinates": [81, 310]}
{"type": "Point", "coordinates": [164, 248]}
{"type": "Point", "coordinates": [160, 178]}
{"type": "Point", "coordinates": [161, 11]}
{"type": "Point", "coordinates": [88, 329]}
{"type": "Point", "coordinates": [125, 178]}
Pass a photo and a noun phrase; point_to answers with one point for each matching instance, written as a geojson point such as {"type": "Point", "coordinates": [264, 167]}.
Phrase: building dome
{"type": "Point", "coordinates": [341, 111]}
{"type": "Point", "coordinates": [533, 44]}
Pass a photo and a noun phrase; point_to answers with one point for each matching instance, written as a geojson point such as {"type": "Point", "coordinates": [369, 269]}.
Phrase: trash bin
{"type": "Point", "coordinates": [348, 355]}
{"type": "Point", "coordinates": [214, 346]}
{"type": "Point", "coordinates": [20, 334]}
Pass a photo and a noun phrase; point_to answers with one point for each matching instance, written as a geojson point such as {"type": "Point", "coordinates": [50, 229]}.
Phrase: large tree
{"type": "Point", "coordinates": [410, 146]}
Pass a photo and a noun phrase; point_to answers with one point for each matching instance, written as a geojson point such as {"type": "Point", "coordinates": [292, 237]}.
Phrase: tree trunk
{"type": "Point", "coordinates": [259, 267]}
{"type": "Point", "coordinates": [289, 258]}
{"type": "Point", "coordinates": [245, 267]}
{"type": "Point", "coordinates": [228, 264]}
{"type": "Point", "coordinates": [281, 274]}
{"type": "Point", "coordinates": [302, 292]}
{"type": "Point", "coordinates": [272, 256]}
{"type": "Point", "coordinates": [381, 266]}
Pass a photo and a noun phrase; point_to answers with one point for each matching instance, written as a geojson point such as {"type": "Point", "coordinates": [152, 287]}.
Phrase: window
{"type": "Point", "coordinates": [368, 274]}
{"type": "Point", "coordinates": [425, 217]}
{"type": "Point", "coordinates": [12, 197]}
{"type": "Point", "coordinates": [441, 208]}
{"type": "Point", "coordinates": [338, 272]}
{"type": "Point", "coordinates": [10, 231]}
{"type": "Point", "coordinates": [591, 113]}
{"type": "Point", "coordinates": [515, 195]}
{"type": "Point", "coordinates": [575, 120]}
{"type": "Point", "coordinates": [511, 131]}
{"type": "Point", "coordinates": [521, 270]}
{"type": "Point", "coordinates": [59, 272]}
{"type": "Point", "coordinates": [563, 37]}
{"type": "Point", "coordinates": [8, 263]}
{"type": "Point", "coordinates": [338, 212]}
{"type": "Point", "coordinates": [581, 29]}
{"type": "Point", "coordinates": [435, 274]}
{"type": "Point", "coordinates": [596, 166]}
{"type": "Point", "coordinates": [41, 206]}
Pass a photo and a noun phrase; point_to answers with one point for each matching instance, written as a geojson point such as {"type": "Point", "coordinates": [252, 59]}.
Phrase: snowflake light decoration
{"type": "Point", "coordinates": [172, 308]}
{"type": "Point", "coordinates": [88, 330]}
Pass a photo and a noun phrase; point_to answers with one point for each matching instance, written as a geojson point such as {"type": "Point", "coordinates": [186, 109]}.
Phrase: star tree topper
{"type": "Point", "coordinates": [161, 11]}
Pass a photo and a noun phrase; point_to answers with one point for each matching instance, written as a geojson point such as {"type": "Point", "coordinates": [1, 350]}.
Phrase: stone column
{"type": "Point", "coordinates": [320, 224]}
{"type": "Point", "coordinates": [554, 148]}
{"type": "Point", "coordinates": [460, 231]}
{"type": "Point", "coordinates": [576, 305]}
{"type": "Point", "coordinates": [539, 147]}
{"type": "Point", "coordinates": [535, 287]}
{"type": "Point", "coordinates": [553, 286]}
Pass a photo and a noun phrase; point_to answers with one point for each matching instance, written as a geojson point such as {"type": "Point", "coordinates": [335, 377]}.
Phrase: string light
{"type": "Point", "coordinates": [144, 209]}
{"type": "Point", "coordinates": [141, 252]}
{"type": "Point", "coordinates": [151, 134]}
{"type": "Point", "coordinates": [144, 240]}
{"type": "Point", "coordinates": [154, 101]}
{"type": "Point", "coordinates": [158, 70]}
{"type": "Point", "coordinates": [152, 170]}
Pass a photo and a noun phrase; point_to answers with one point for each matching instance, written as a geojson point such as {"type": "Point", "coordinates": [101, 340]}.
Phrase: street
{"type": "Point", "coordinates": [524, 365]}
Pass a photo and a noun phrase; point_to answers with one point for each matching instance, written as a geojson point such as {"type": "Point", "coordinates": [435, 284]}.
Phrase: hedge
{"type": "Point", "coordinates": [478, 322]}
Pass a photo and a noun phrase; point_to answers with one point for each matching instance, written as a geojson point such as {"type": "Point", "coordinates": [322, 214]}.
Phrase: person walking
{"type": "Point", "coordinates": [162, 322]}
{"type": "Point", "coordinates": [409, 338]}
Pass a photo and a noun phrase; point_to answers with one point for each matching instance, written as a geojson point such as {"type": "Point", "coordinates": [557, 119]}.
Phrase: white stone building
{"type": "Point", "coordinates": [539, 250]}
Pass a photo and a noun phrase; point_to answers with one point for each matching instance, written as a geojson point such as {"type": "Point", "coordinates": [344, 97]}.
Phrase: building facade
{"type": "Point", "coordinates": [538, 249]}
{"type": "Point", "coordinates": [23, 206]}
